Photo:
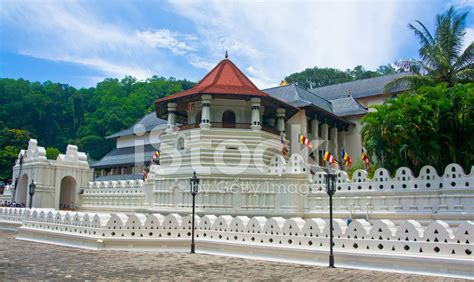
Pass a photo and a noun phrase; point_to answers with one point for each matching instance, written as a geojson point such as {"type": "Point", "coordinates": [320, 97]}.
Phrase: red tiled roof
{"type": "Point", "coordinates": [225, 79]}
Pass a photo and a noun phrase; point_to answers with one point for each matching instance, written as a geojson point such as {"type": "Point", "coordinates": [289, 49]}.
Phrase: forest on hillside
{"type": "Point", "coordinates": [57, 114]}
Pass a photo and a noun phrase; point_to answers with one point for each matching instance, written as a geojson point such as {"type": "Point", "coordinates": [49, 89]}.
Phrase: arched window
{"type": "Point", "coordinates": [180, 144]}
{"type": "Point", "coordinates": [228, 119]}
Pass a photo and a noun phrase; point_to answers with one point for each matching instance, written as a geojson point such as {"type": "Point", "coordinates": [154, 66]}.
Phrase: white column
{"type": "Point", "coordinates": [315, 127]}
{"type": "Point", "coordinates": [281, 120]}
{"type": "Point", "coordinates": [335, 142]}
{"type": "Point", "coordinates": [206, 111]}
{"type": "Point", "coordinates": [343, 139]}
{"type": "Point", "coordinates": [171, 117]}
{"type": "Point", "coordinates": [325, 135]}
{"type": "Point", "coordinates": [255, 102]}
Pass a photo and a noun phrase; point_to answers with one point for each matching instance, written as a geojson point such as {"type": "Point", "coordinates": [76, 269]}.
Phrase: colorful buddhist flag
{"type": "Point", "coordinates": [156, 158]}
{"type": "Point", "coordinates": [304, 141]}
{"type": "Point", "coordinates": [347, 159]}
{"type": "Point", "coordinates": [365, 158]}
{"type": "Point", "coordinates": [329, 158]}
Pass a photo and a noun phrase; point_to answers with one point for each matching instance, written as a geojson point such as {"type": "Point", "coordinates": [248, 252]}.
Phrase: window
{"type": "Point", "coordinates": [228, 119]}
{"type": "Point", "coordinates": [180, 144]}
{"type": "Point", "coordinates": [320, 130]}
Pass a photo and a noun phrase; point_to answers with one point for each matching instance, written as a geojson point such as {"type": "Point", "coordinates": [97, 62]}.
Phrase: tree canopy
{"type": "Point", "coordinates": [57, 114]}
{"type": "Point", "coordinates": [318, 77]}
{"type": "Point", "coordinates": [429, 126]}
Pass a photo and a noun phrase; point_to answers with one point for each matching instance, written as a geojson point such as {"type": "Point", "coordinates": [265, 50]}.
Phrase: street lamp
{"type": "Point", "coordinates": [330, 189]}
{"type": "Point", "coordinates": [32, 191]}
{"type": "Point", "coordinates": [194, 184]}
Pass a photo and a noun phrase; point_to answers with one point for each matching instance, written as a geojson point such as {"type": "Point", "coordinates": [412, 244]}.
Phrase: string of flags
{"type": "Point", "coordinates": [365, 158]}
{"type": "Point", "coordinates": [347, 159]}
{"type": "Point", "coordinates": [304, 141]}
{"type": "Point", "coordinates": [156, 158]}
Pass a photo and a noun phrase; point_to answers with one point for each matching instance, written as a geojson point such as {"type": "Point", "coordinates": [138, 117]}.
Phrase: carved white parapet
{"type": "Point", "coordinates": [410, 243]}
{"type": "Point", "coordinates": [34, 152]}
{"type": "Point", "coordinates": [73, 156]}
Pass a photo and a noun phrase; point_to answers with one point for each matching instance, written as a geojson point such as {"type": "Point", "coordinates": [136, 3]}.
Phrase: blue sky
{"type": "Point", "coordinates": [82, 42]}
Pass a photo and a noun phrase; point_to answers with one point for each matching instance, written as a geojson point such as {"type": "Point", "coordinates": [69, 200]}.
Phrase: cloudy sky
{"type": "Point", "coordinates": [82, 42]}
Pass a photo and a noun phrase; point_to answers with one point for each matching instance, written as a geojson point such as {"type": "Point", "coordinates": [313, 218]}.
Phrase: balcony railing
{"type": "Point", "coordinates": [233, 125]}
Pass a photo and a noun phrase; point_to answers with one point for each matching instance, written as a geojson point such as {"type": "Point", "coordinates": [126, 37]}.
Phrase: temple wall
{"type": "Point", "coordinates": [436, 248]}
{"type": "Point", "coordinates": [287, 191]}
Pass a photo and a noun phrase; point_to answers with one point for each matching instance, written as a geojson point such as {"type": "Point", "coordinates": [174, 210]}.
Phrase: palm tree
{"type": "Point", "coordinates": [441, 56]}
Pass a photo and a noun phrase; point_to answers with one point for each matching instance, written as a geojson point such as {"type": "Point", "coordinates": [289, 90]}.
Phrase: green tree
{"type": "Point", "coordinates": [386, 70]}
{"type": "Point", "coordinates": [359, 72]}
{"type": "Point", "coordinates": [318, 77]}
{"type": "Point", "coordinates": [11, 141]}
{"type": "Point", "coordinates": [430, 126]}
{"type": "Point", "coordinates": [441, 56]}
{"type": "Point", "coordinates": [52, 153]}
{"type": "Point", "coordinates": [58, 114]}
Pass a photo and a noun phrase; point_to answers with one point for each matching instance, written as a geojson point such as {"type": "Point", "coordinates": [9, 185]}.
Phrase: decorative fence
{"type": "Point", "coordinates": [428, 196]}
{"type": "Point", "coordinates": [113, 194]}
{"type": "Point", "coordinates": [435, 248]}
{"type": "Point", "coordinates": [449, 197]}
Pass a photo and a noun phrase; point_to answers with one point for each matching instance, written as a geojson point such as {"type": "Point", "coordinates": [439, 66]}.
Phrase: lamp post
{"type": "Point", "coordinates": [32, 191]}
{"type": "Point", "coordinates": [194, 183]}
{"type": "Point", "coordinates": [330, 189]}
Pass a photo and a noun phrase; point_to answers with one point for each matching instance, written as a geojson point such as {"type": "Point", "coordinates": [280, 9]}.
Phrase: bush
{"type": "Point", "coordinates": [52, 153]}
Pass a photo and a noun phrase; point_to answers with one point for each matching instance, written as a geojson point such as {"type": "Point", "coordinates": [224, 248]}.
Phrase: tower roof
{"type": "Point", "coordinates": [223, 79]}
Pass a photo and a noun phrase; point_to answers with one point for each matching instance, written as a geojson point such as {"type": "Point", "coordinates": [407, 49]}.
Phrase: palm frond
{"type": "Point", "coordinates": [466, 58]}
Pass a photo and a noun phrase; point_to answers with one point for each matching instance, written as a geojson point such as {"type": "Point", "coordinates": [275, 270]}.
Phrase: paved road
{"type": "Point", "coordinates": [21, 260]}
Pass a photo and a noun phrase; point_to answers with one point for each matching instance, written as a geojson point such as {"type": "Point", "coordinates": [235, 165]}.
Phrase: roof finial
{"type": "Point", "coordinates": [226, 55]}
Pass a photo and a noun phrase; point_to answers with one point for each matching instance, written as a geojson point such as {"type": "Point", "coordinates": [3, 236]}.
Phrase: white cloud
{"type": "Point", "coordinates": [73, 32]}
{"type": "Point", "coordinates": [164, 38]}
{"type": "Point", "coordinates": [461, 4]}
{"type": "Point", "coordinates": [281, 37]}
{"type": "Point", "coordinates": [468, 37]}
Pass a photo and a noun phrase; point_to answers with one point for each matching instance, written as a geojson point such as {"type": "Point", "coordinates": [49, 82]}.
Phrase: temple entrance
{"type": "Point", "coordinates": [22, 193]}
{"type": "Point", "coordinates": [67, 194]}
{"type": "Point", "coordinates": [228, 119]}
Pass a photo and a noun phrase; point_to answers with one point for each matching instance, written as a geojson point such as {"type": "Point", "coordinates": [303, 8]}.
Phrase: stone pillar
{"type": "Point", "coordinates": [325, 135]}
{"type": "Point", "coordinates": [255, 114]}
{"type": "Point", "coordinates": [171, 117]}
{"type": "Point", "coordinates": [281, 120]}
{"type": "Point", "coordinates": [206, 111]}
{"type": "Point", "coordinates": [336, 152]}
{"type": "Point", "coordinates": [314, 127]}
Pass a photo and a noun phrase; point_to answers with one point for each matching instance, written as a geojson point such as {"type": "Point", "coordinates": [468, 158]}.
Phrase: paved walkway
{"type": "Point", "coordinates": [21, 260]}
